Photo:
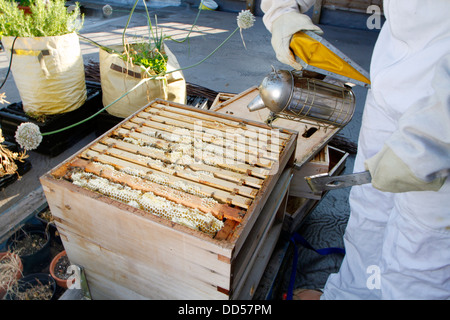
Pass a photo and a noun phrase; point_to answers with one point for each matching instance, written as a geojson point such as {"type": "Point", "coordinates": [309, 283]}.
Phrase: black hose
{"type": "Point", "coordinates": [10, 62]}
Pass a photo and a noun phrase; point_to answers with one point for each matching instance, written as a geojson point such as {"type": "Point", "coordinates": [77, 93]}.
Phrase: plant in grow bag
{"type": "Point", "coordinates": [47, 18]}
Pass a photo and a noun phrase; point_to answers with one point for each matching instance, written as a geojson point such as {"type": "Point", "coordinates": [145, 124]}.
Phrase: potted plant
{"type": "Point", "coordinates": [44, 54]}
{"type": "Point", "coordinates": [36, 286]}
{"type": "Point", "coordinates": [10, 271]}
{"type": "Point", "coordinates": [147, 60]}
{"type": "Point", "coordinates": [58, 270]}
{"type": "Point", "coordinates": [44, 215]}
{"type": "Point", "coordinates": [32, 244]}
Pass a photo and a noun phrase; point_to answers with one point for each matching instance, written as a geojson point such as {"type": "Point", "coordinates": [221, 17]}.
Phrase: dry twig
{"type": "Point", "coordinates": [8, 159]}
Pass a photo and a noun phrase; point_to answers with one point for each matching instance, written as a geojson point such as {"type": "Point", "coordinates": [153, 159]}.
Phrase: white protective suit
{"type": "Point", "coordinates": [397, 242]}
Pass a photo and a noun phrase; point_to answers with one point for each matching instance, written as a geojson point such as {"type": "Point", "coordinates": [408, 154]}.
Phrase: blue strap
{"type": "Point", "coordinates": [298, 238]}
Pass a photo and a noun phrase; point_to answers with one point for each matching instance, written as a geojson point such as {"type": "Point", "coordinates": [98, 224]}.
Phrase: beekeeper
{"type": "Point", "coordinates": [398, 235]}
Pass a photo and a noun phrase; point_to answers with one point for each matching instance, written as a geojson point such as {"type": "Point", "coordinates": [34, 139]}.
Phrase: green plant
{"type": "Point", "coordinates": [149, 53]}
{"type": "Point", "coordinates": [146, 53]}
{"type": "Point", "coordinates": [47, 18]}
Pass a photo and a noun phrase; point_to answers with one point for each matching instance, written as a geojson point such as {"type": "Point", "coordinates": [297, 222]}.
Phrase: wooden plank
{"type": "Point", "coordinates": [218, 172]}
{"type": "Point", "coordinates": [167, 137]}
{"type": "Point", "coordinates": [298, 207]}
{"type": "Point", "coordinates": [259, 264]}
{"type": "Point", "coordinates": [222, 131]}
{"type": "Point", "coordinates": [308, 145]}
{"type": "Point", "coordinates": [229, 175]}
{"type": "Point", "coordinates": [213, 121]}
{"type": "Point", "coordinates": [253, 138]}
{"type": "Point", "coordinates": [139, 134]}
{"type": "Point", "coordinates": [237, 106]}
{"type": "Point", "coordinates": [222, 117]}
{"type": "Point", "coordinates": [220, 149]}
{"type": "Point", "coordinates": [202, 156]}
{"type": "Point", "coordinates": [220, 211]}
{"type": "Point", "coordinates": [114, 159]}
{"type": "Point", "coordinates": [122, 246]}
{"type": "Point", "coordinates": [271, 215]}
{"type": "Point", "coordinates": [286, 161]}
{"type": "Point", "coordinates": [119, 213]}
{"type": "Point", "coordinates": [221, 97]}
{"type": "Point", "coordinates": [317, 11]}
{"type": "Point", "coordinates": [227, 230]}
{"type": "Point", "coordinates": [319, 164]}
{"type": "Point", "coordinates": [14, 217]}
{"type": "Point", "coordinates": [135, 153]}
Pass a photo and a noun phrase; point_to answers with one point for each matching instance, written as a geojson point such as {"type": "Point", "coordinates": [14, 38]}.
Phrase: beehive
{"type": "Point", "coordinates": [168, 203]}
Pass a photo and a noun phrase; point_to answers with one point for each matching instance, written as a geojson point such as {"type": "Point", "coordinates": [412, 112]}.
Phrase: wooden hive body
{"type": "Point", "coordinates": [167, 150]}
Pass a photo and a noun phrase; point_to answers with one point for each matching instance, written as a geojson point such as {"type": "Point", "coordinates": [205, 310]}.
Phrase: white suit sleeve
{"type": "Point", "coordinates": [274, 8]}
{"type": "Point", "coordinates": [422, 140]}
{"type": "Point", "coordinates": [416, 157]}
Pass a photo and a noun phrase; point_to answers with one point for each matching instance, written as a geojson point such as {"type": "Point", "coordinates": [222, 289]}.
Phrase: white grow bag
{"type": "Point", "coordinates": [48, 72]}
{"type": "Point", "coordinates": [118, 77]}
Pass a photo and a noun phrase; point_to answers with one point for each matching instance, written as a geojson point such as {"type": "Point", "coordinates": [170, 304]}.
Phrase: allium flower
{"type": "Point", "coordinates": [107, 10]}
{"type": "Point", "coordinates": [245, 19]}
{"type": "Point", "coordinates": [28, 136]}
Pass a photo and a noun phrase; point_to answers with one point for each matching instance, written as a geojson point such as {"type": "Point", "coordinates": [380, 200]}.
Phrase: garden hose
{"type": "Point", "coordinates": [10, 62]}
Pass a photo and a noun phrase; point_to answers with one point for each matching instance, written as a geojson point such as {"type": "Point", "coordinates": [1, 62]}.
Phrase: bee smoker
{"type": "Point", "coordinates": [292, 96]}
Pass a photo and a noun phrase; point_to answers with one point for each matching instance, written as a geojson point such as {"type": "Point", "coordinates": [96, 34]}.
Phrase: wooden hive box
{"type": "Point", "coordinates": [173, 203]}
{"type": "Point", "coordinates": [297, 207]}
{"type": "Point", "coordinates": [317, 165]}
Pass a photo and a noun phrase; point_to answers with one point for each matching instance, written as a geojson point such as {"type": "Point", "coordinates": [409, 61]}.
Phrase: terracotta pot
{"type": "Point", "coordinates": [60, 282]}
{"type": "Point", "coordinates": [18, 274]}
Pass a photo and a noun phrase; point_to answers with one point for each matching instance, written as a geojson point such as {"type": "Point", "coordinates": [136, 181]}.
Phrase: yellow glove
{"type": "Point", "coordinates": [390, 174]}
{"type": "Point", "coordinates": [283, 28]}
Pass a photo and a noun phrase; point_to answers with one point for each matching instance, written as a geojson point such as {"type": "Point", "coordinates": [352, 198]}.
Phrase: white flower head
{"type": "Point", "coordinates": [245, 19]}
{"type": "Point", "coordinates": [28, 135]}
{"type": "Point", "coordinates": [107, 10]}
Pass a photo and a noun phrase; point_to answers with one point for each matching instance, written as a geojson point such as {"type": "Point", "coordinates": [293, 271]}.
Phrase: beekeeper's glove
{"type": "Point", "coordinates": [283, 28]}
{"type": "Point", "coordinates": [390, 174]}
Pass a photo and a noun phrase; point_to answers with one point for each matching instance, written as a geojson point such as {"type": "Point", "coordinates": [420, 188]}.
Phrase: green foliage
{"type": "Point", "coordinates": [146, 55]}
{"type": "Point", "coordinates": [47, 18]}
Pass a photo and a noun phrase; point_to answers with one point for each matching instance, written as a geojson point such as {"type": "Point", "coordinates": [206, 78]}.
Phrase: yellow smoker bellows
{"type": "Point", "coordinates": [316, 54]}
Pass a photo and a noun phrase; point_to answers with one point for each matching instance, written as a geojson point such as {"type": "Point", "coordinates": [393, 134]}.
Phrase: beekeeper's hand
{"type": "Point", "coordinates": [390, 174]}
{"type": "Point", "coordinates": [283, 28]}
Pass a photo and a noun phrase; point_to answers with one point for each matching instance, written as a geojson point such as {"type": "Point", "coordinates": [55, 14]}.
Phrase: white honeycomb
{"type": "Point", "coordinates": [152, 203]}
